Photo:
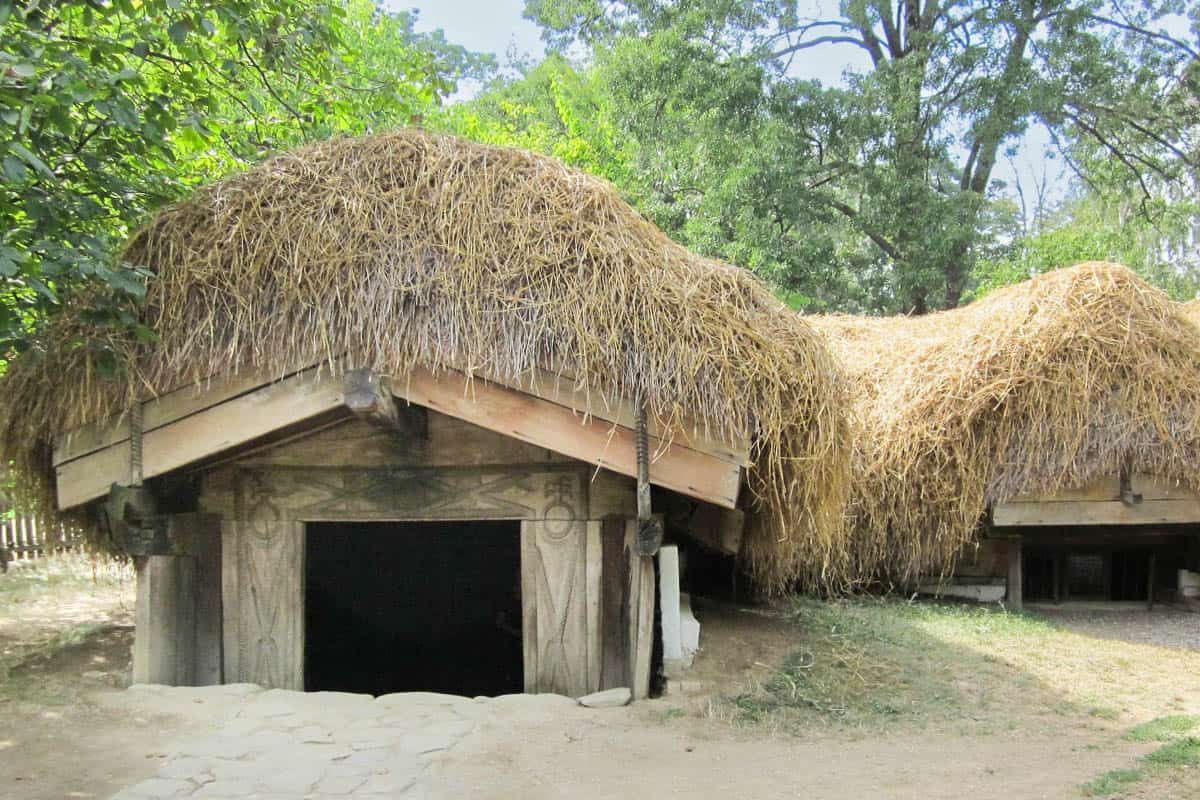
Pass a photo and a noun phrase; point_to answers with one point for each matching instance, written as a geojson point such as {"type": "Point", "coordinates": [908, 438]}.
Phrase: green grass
{"type": "Point", "coordinates": [1183, 752]}
{"type": "Point", "coordinates": [1112, 782]}
{"type": "Point", "coordinates": [1180, 750]}
{"type": "Point", "coordinates": [1164, 729]}
{"type": "Point", "coordinates": [868, 662]}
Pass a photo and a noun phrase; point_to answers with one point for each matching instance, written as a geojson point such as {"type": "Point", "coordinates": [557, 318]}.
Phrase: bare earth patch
{"type": "Point", "coordinates": [854, 699]}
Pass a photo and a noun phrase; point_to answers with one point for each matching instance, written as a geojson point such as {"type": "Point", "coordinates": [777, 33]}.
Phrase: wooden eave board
{"type": "Point", "coordinates": [187, 427]}
{"type": "Point", "coordinates": [160, 411]}
{"type": "Point", "coordinates": [1097, 512]}
{"type": "Point", "coordinates": [567, 391]}
{"type": "Point", "coordinates": [558, 428]}
{"type": "Point", "coordinates": [201, 434]}
{"type": "Point", "coordinates": [1099, 503]}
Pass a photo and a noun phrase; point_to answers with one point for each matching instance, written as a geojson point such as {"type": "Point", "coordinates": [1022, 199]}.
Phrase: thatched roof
{"type": "Point", "coordinates": [1037, 387]}
{"type": "Point", "coordinates": [405, 248]}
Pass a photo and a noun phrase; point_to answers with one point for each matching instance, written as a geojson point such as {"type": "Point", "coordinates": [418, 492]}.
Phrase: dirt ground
{"type": "Point", "coordinates": [863, 699]}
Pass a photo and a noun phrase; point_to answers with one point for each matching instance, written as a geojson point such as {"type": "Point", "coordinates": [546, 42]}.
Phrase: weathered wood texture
{"type": "Point", "coordinates": [316, 494]}
{"type": "Point", "coordinates": [614, 609]}
{"type": "Point", "coordinates": [192, 425]}
{"type": "Point", "coordinates": [640, 605]}
{"type": "Point", "coordinates": [1100, 503]}
{"type": "Point", "coordinates": [1108, 512]}
{"type": "Point", "coordinates": [165, 621]}
{"type": "Point", "coordinates": [211, 430]}
{"type": "Point", "coordinates": [199, 536]}
{"type": "Point", "coordinates": [1015, 574]}
{"type": "Point", "coordinates": [567, 391]}
{"type": "Point", "coordinates": [558, 428]}
{"type": "Point", "coordinates": [560, 566]}
{"type": "Point", "coordinates": [263, 583]}
{"type": "Point", "coordinates": [458, 471]}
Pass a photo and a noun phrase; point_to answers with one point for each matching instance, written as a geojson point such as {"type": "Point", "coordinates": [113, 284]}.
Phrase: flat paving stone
{"type": "Point", "coordinates": [285, 744]}
{"type": "Point", "coordinates": [162, 788]}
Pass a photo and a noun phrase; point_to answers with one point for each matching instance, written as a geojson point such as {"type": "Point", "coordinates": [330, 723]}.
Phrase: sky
{"type": "Point", "coordinates": [497, 26]}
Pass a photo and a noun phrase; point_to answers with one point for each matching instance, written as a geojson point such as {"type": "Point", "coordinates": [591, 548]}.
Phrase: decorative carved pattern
{"type": "Point", "coordinates": [366, 493]}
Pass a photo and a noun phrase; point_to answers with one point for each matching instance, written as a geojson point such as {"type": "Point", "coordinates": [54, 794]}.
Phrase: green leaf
{"type": "Point", "coordinates": [9, 266]}
{"type": "Point", "coordinates": [31, 159]}
{"type": "Point", "coordinates": [23, 70]}
{"type": "Point", "coordinates": [207, 24]}
{"type": "Point", "coordinates": [41, 288]}
{"type": "Point", "coordinates": [14, 169]}
{"type": "Point", "coordinates": [178, 31]}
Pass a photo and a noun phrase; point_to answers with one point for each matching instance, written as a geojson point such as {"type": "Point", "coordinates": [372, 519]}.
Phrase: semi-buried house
{"type": "Point", "coordinates": [1042, 443]}
{"type": "Point", "coordinates": [413, 416]}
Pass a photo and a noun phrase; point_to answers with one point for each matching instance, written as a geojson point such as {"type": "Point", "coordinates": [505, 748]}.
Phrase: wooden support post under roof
{"type": "Point", "coordinates": [1015, 577]}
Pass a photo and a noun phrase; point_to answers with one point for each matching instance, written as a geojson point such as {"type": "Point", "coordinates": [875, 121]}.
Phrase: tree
{"type": "Point", "coordinates": [553, 108]}
{"type": "Point", "coordinates": [1109, 219]}
{"type": "Point", "coordinates": [110, 108]}
{"type": "Point", "coordinates": [893, 172]}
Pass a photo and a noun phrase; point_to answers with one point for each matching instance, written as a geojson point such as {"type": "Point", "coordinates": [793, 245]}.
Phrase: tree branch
{"type": "Point", "coordinates": [876, 237]}
{"type": "Point", "coordinates": [1159, 35]}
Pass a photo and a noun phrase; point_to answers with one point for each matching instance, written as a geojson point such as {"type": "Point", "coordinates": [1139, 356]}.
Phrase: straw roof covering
{"type": "Point", "coordinates": [1037, 387]}
{"type": "Point", "coordinates": [1191, 310]}
{"type": "Point", "coordinates": [405, 248]}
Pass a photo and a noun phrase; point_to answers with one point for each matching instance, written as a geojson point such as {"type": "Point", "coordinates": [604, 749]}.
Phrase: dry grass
{"type": "Point", "coordinates": [1049, 384]}
{"type": "Point", "coordinates": [405, 249]}
{"type": "Point", "coordinates": [869, 665]}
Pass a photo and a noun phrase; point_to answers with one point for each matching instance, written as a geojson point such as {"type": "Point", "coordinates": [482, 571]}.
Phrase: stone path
{"type": "Point", "coordinates": [281, 744]}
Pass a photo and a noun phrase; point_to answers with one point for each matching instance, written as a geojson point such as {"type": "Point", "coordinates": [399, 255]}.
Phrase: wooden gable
{"type": "Point", "coordinates": [197, 425]}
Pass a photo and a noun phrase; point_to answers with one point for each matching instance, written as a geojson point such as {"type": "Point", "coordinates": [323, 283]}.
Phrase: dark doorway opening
{"type": "Point", "coordinates": [428, 606]}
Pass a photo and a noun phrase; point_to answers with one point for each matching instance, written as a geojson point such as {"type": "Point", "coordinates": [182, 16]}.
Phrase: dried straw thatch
{"type": "Point", "coordinates": [1191, 310]}
{"type": "Point", "coordinates": [406, 248]}
{"type": "Point", "coordinates": [1037, 387]}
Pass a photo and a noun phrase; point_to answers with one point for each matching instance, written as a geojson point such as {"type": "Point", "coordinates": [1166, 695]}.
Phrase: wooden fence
{"type": "Point", "coordinates": [26, 536]}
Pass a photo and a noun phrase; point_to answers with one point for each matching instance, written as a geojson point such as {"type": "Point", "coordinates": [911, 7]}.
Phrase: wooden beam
{"type": "Point", "coordinates": [614, 622]}
{"type": "Point", "coordinates": [1098, 512]}
{"type": "Point", "coordinates": [567, 391]}
{"type": "Point", "coordinates": [369, 397]}
{"type": "Point", "coordinates": [555, 427]}
{"type": "Point", "coordinates": [561, 389]}
{"type": "Point", "coordinates": [197, 423]}
{"type": "Point", "coordinates": [159, 411]}
{"type": "Point", "coordinates": [203, 434]}
{"type": "Point", "coordinates": [639, 611]}
{"type": "Point", "coordinates": [717, 528]}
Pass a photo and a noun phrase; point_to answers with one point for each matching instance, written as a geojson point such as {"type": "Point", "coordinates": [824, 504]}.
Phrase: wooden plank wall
{"type": "Point", "coordinates": [560, 589]}
{"type": "Point", "coordinates": [164, 646]}
{"type": "Point", "coordinates": [178, 610]}
{"type": "Point", "coordinates": [263, 592]}
{"type": "Point", "coordinates": [356, 471]}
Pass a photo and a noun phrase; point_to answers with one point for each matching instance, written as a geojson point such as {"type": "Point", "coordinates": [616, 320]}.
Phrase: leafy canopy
{"type": "Point", "coordinates": [877, 191]}
{"type": "Point", "coordinates": [110, 108]}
